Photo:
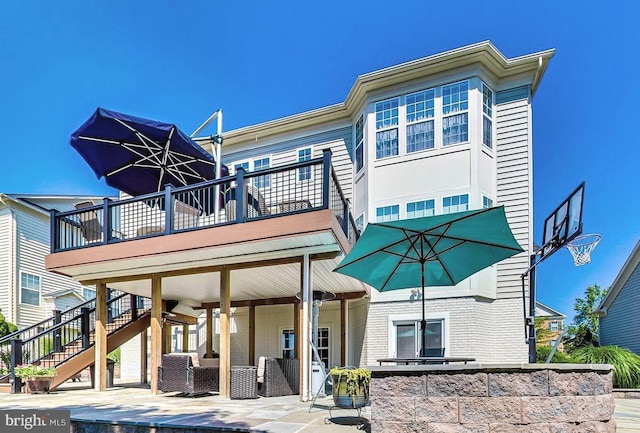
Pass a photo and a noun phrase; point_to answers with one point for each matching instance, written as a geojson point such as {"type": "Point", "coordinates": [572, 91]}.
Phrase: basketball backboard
{"type": "Point", "coordinates": [564, 223]}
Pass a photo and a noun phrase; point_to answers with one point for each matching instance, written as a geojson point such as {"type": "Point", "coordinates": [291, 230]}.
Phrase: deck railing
{"type": "Point", "coordinates": [294, 188]}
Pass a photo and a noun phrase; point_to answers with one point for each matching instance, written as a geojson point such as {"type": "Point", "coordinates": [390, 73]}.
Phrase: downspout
{"type": "Point", "coordinates": [14, 268]}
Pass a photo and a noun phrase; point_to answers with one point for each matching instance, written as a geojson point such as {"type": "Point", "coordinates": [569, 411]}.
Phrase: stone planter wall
{"type": "Point", "coordinates": [527, 398]}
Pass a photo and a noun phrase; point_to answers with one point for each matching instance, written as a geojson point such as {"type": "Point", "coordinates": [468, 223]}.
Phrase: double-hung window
{"type": "Point", "coordinates": [554, 326]}
{"type": "Point", "coordinates": [420, 113]}
{"type": "Point", "coordinates": [304, 173]}
{"type": "Point", "coordinates": [421, 209]}
{"type": "Point", "coordinates": [323, 345]}
{"type": "Point", "coordinates": [388, 213]}
{"type": "Point", "coordinates": [88, 293]}
{"type": "Point", "coordinates": [262, 181]}
{"type": "Point", "coordinates": [360, 224]}
{"type": "Point", "coordinates": [387, 128]}
{"type": "Point", "coordinates": [455, 112]}
{"type": "Point", "coordinates": [456, 203]}
{"type": "Point", "coordinates": [359, 157]}
{"type": "Point", "coordinates": [487, 115]}
{"type": "Point", "coordinates": [486, 202]}
{"type": "Point", "coordinates": [29, 289]}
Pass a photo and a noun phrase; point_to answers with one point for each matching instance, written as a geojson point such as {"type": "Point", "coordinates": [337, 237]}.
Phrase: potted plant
{"type": "Point", "coordinates": [350, 386]}
{"type": "Point", "coordinates": [37, 378]}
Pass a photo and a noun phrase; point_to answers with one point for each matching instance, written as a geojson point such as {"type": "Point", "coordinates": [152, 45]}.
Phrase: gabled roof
{"type": "Point", "coordinates": [547, 311]}
{"type": "Point", "coordinates": [483, 53]}
{"type": "Point", "coordinates": [63, 292]}
{"type": "Point", "coordinates": [624, 274]}
{"type": "Point", "coordinates": [33, 201]}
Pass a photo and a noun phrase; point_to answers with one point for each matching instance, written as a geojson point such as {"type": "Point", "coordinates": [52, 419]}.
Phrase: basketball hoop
{"type": "Point", "coordinates": [581, 248]}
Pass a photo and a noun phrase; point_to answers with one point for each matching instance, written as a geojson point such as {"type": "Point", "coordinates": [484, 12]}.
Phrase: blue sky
{"type": "Point", "coordinates": [180, 61]}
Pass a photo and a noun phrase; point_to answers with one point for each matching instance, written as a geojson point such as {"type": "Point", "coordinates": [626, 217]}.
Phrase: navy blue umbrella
{"type": "Point", "coordinates": [141, 156]}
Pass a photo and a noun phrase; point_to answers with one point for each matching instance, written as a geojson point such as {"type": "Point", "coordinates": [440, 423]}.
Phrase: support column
{"type": "Point", "coordinates": [305, 324]}
{"type": "Point", "coordinates": [156, 331]}
{"type": "Point", "coordinates": [344, 335]}
{"type": "Point", "coordinates": [144, 347]}
{"type": "Point", "coordinates": [208, 342]}
{"type": "Point", "coordinates": [252, 334]}
{"type": "Point", "coordinates": [225, 334]}
{"type": "Point", "coordinates": [100, 333]}
{"type": "Point", "coordinates": [185, 337]}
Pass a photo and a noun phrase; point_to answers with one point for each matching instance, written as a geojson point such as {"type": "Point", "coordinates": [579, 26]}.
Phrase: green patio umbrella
{"type": "Point", "coordinates": [439, 250]}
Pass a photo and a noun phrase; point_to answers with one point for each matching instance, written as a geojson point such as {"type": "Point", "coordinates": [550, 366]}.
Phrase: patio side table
{"type": "Point", "coordinates": [244, 382]}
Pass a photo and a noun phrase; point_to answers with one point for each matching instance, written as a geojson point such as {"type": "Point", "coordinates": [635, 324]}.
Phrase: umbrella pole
{"type": "Point", "coordinates": [423, 323]}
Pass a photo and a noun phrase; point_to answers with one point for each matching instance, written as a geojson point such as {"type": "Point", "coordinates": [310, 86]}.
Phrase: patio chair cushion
{"type": "Point", "coordinates": [261, 362]}
{"type": "Point", "coordinates": [177, 373]}
{"type": "Point", "coordinates": [280, 377]}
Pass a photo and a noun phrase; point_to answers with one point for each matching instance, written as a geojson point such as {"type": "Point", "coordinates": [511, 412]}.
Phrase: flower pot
{"type": "Point", "coordinates": [344, 399]}
{"type": "Point", "coordinates": [38, 384]}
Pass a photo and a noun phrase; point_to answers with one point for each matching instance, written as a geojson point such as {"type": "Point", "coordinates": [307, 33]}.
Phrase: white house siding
{"type": "Point", "coordinates": [621, 325]}
{"type": "Point", "coordinates": [514, 189]}
{"type": "Point", "coordinates": [32, 246]}
{"type": "Point", "coordinates": [479, 328]}
{"type": "Point", "coordinates": [283, 150]}
{"type": "Point", "coordinates": [358, 311]}
{"type": "Point", "coordinates": [7, 276]}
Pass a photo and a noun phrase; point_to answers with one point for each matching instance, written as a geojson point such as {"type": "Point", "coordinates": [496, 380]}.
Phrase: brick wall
{"type": "Point", "coordinates": [560, 398]}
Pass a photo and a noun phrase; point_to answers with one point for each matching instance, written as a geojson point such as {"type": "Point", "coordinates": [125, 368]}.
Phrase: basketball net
{"type": "Point", "coordinates": [581, 248]}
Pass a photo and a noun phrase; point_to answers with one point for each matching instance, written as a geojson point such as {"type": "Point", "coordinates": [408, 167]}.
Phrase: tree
{"type": "Point", "coordinates": [6, 328]}
{"type": "Point", "coordinates": [584, 328]}
{"type": "Point", "coordinates": [543, 335]}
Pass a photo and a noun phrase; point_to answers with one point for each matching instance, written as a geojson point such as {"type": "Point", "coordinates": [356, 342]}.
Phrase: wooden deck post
{"type": "Point", "coordinates": [344, 303]}
{"type": "Point", "coordinates": [225, 335]}
{"type": "Point", "coordinates": [185, 337]}
{"type": "Point", "coordinates": [143, 356]}
{"type": "Point", "coordinates": [100, 362]}
{"type": "Point", "coordinates": [156, 331]}
{"type": "Point", "coordinates": [252, 334]}
{"type": "Point", "coordinates": [208, 342]}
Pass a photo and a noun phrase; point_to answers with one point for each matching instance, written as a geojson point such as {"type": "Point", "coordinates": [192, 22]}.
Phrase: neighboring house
{"type": "Point", "coordinates": [445, 133]}
{"type": "Point", "coordinates": [28, 293]}
{"type": "Point", "coordinates": [552, 321]}
{"type": "Point", "coordinates": [619, 321]}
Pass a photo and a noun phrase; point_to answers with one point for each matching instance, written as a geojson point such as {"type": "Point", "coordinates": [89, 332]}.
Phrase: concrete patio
{"type": "Point", "coordinates": [132, 406]}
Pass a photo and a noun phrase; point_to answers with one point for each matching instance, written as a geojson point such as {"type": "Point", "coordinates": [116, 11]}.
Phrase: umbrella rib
{"type": "Point", "coordinates": [365, 256]}
{"type": "Point", "coordinates": [437, 256]}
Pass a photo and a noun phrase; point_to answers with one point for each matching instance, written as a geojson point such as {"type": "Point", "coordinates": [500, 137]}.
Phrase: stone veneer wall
{"type": "Point", "coordinates": [527, 398]}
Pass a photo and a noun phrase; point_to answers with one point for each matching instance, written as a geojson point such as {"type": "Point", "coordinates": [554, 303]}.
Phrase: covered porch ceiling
{"type": "Point", "coordinates": [264, 258]}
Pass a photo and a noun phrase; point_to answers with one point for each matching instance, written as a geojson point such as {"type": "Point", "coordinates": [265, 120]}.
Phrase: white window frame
{"type": "Point", "coordinates": [388, 206]}
{"type": "Point", "coordinates": [390, 127]}
{"type": "Point", "coordinates": [39, 289]}
{"type": "Point", "coordinates": [87, 289]}
{"type": "Point", "coordinates": [426, 119]}
{"type": "Point", "coordinates": [360, 223]}
{"type": "Point", "coordinates": [454, 196]}
{"type": "Point", "coordinates": [262, 181]}
{"type": "Point", "coordinates": [394, 319]}
{"type": "Point", "coordinates": [458, 111]}
{"type": "Point", "coordinates": [310, 168]}
{"type": "Point", "coordinates": [359, 147]}
{"type": "Point", "coordinates": [432, 200]}
{"type": "Point", "coordinates": [487, 113]}
{"type": "Point", "coordinates": [551, 325]}
{"type": "Point", "coordinates": [487, 202]}
{"type": "Point", "coordinates": [328, 328]}
{"type": "Point", "coordinates": [282, 348]}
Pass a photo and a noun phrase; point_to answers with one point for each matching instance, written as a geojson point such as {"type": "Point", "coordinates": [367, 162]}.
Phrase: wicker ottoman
{"type": "Point", "coordinates": [244, 382]}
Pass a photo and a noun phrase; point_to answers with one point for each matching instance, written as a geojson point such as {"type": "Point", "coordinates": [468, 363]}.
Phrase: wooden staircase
{"type": "Point", "coordinates": [73, 359]}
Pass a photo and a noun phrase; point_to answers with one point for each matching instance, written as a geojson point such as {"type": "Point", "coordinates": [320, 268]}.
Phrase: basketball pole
{"type": "Point", "coordinates": [532, 309]}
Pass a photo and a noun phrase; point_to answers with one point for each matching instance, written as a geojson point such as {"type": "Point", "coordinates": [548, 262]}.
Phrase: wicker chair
{"type": "Point", "coordinates": [281, 377]}
{"type": "Point", "coordinates": [178, 373]}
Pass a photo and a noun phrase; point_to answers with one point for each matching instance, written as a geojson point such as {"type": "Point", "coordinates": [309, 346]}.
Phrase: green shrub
{"type": "Point", "coordinates": [542, 353]}
{"type": "Point", "coordinates": [626, 363]}
{"type": "Point", "coordinates": [115, 356]}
